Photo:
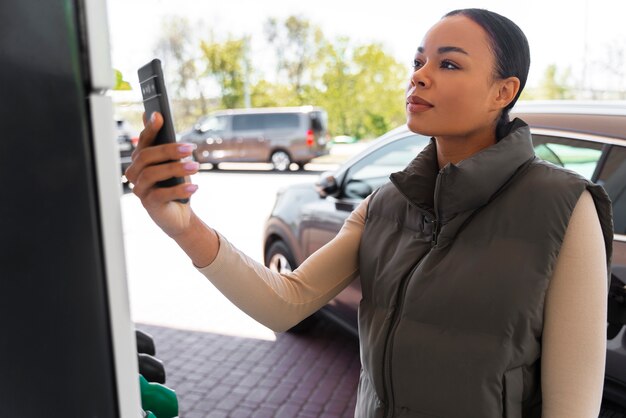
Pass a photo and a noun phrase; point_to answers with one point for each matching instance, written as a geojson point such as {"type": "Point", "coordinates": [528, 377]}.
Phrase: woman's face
{"type": "Point", "coordinates": [452, 89]}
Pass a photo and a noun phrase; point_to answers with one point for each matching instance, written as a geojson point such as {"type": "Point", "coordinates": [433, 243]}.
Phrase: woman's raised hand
{"type": "Point", "coordinates": [151, 164]}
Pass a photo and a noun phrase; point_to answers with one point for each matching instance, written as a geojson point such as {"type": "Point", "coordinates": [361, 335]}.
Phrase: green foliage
{"type": "Point", "coordinates": [360, 86]}
{"type": "Point", "coordinates": [225, 63]}
{"type": "Point", "coordinates": [120, 84]}
{"type": "Point", "coordinates": [177, 47]}
{"type": "Point", "coordinates": [266, 94]}
{"type": "Point", "coordinates": [361, 89]}
{"type": "Point", "coordinates": [555, 85]}
{"type": "Point", "coordinates": [297, 44]}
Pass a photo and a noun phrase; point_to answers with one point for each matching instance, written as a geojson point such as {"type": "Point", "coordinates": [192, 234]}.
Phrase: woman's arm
{"type": "Point", "coordinates": [279, 301]}
{"type": "Point", "coordinates": [575, 315]}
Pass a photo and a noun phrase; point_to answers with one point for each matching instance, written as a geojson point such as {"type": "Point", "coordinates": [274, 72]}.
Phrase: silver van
{"type": "Point", "coordinates": [280, 136]}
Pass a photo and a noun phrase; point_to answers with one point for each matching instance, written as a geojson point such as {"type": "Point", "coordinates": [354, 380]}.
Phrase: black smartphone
{"type": "Point", "coordinates": [155, 100]}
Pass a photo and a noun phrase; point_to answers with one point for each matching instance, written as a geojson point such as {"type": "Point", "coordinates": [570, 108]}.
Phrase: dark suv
{"type": "Point", "coordinates": [589, 138]}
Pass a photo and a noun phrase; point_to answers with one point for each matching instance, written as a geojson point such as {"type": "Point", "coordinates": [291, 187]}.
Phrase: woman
{"type": "Point", "coordinates": [483, 269]}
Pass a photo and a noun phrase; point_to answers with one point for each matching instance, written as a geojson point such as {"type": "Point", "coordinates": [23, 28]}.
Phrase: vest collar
{"type": "Point", "coordinates": [468, 184]}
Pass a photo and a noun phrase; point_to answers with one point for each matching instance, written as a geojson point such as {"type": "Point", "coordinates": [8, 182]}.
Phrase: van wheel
{"type": "Point", "coordinates": [280, 160]}
{"type": "Point", "coordinates": [279, 259]}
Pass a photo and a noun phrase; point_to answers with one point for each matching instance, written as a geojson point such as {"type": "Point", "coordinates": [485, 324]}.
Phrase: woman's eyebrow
{"type": "Point", "coordinates": [444, 49]}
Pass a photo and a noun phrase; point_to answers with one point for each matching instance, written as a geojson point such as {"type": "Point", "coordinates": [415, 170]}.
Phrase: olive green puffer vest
{"type": "Point", "coordinates": [454, 267]}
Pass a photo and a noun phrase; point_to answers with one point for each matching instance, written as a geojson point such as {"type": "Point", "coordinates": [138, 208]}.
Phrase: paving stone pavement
{"type": "Point", "coordinates": [312, 375]}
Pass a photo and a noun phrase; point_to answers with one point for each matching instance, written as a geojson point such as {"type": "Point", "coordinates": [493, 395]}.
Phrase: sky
{"type": "Point", "coordinates": [575, 34]}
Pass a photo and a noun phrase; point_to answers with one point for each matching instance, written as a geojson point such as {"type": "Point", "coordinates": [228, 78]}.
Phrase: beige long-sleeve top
{"type": "Point", "coordinates": [575, 313]}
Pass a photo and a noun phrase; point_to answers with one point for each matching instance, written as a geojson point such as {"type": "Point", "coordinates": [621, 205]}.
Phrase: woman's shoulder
{"type": "Point", "coordinates": [548, 180]}
{"type": "Point", "coordinates": [550, 172]}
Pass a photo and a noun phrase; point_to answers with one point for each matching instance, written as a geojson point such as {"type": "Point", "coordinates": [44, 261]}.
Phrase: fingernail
{"type": "Point", "coordinates": [153, 117]}
{"type": "Point", "coordinates": [191, 166]}
{"type": "Point", "coordinates": [186, 148]}
{"type": "Point", "coordinates": [191, 188]}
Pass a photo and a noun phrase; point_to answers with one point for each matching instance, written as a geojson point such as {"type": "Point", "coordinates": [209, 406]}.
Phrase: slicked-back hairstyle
{"type": "Point", "coordinates": [510, 50]}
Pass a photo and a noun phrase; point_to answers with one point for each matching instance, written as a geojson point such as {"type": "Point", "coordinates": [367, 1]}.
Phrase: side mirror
{"type": "Point", "coordinates": [326, 185]}
{"type": "Point", "coordinates": [201, 126]}
{"type": "Point", "coordinates": [357, 189]}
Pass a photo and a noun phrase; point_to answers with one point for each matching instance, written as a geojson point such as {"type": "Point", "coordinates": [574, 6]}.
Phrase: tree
{"type": "Point", "coordinates": [555, 86]}
{"type": "Point", "coordinates": [361, 89]}
{"type": "Point", "coordinates": [268, 94]}
{"type": "Point", "coordinates": [178, 49]}
{"type": "Point", "coordinates": [225, 63]}
{"type": "Point", "coordinates": [120, 83]}
{"type": "Point", "coordinates": [297, 44]}
{"type": "Point", "coordinates": [337, 87]}
{"type": "Point", "coordinates": [379, 85]}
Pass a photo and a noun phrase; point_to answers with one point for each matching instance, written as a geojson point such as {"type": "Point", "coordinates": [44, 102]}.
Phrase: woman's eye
{"type": "Point", "coordinates": [416, 64]}
{"type": "Point", "coordinates": [449, 65]}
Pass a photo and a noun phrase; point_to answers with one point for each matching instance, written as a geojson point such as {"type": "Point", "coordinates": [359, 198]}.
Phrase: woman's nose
{"type": "Point", "coordinates": [420, 77]}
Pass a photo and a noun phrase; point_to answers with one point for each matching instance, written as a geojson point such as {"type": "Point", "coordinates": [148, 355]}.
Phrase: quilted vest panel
{"type": "Point", "coordinates": [453, 288]}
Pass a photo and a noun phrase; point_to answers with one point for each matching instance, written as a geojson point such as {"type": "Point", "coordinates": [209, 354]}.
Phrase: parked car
{"type": "Point", "coordinates": [280, 136]}
{"type": "Point", "coordinates": [589, 138]}
{"type": "Point", "coordinates": [127, 140]}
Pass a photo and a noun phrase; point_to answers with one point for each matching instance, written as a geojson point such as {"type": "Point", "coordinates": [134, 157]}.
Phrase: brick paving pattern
{"type": "Point", "coordinates": [312, 375]}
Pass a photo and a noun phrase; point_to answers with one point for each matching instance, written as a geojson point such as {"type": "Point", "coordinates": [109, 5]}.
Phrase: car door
{"type": "Point", "coordinates": [248, 137]}
{"type": "Point", "coordinates": [612, 177]}
{"type": "Point", "coordinates": [211, 136]}
{"type": "Point", "coordinates": [581, 156]}
{"type": "Point", "coordinates": [602, 160]}
{"type": "Point", "coordinates": [325, 217]}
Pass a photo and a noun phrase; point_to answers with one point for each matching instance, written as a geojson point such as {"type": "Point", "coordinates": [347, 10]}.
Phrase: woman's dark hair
{"type": "Point", "coordinates": [510, 49]}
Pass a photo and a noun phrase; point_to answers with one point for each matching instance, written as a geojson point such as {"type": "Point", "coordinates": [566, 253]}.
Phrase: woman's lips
{"type": "Point", "coordinates": [417, 108]}
{"type": "Point", "coordinates": [416, 104]}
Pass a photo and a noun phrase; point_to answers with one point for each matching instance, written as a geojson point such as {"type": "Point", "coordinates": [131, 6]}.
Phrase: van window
{"type": "Point", "coordinates": [613, 179]}
{"type": "Point", "coordinates": [212, 123]}
{"type": "Point", "coordinates": [576, 155]}
{"type": "Point", "coordinates": [281, 121]}
{"type": "Point", "coordinates": [319, 121]}
{"type": "Point", "coordinates": [248, 122]}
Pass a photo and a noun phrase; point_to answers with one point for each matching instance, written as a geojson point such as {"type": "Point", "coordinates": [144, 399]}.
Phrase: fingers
{"type": "Point", "coordinates": [147, 178]}
{"type": "Point", "coordinates": [151, 128]}
{"type": "Point", "coordinates": [142, 159]}
{"type": "Point", "coordinates": [160, 195]}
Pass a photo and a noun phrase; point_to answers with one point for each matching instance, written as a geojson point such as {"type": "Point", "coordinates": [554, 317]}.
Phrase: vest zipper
{"type": "Point", "coordinates": [387, 385]}
{"type": "Point", "coordinates": [436, 223]}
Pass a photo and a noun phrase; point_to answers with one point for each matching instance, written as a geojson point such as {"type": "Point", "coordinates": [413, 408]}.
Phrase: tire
{"type": "Point", "coordinates": [279, 259]}
{"type": "Point", "coordinates": [280, 160]}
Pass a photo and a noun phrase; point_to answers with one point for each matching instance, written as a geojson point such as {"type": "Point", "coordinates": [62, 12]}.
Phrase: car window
{"type": "Point", "coordinates": [319, 121]}
{"type": "Point", "coordinates": [281, 121]}
{"type": "Point", "coordinates": [213, 123]}
{"type": "Point", "coordinates": [613, 179]}
{"type": "Point", "coordinates": [576, 155]}
{"type": "Point", "coordinates": [373, 171]}
{"type": "Point", "coordinates": [247, 122]}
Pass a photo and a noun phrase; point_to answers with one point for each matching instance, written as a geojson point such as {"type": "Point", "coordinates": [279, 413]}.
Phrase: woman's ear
{"type": "Point", "coordinates": [507, 90]}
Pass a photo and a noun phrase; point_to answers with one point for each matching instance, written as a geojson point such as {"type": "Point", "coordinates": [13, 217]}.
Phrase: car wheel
{"type": "Point", "coordinates": [279, 259]}
{"type": "Point", "coordinates": [301, 166]}
{"type": "Point", "coordinates": [280, 160]}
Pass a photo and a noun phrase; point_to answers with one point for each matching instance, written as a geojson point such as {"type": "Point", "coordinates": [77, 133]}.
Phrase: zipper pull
{"type": "Point", "coordinates": [433, 241]}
